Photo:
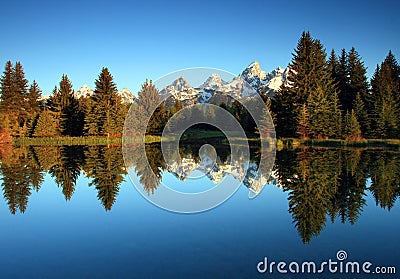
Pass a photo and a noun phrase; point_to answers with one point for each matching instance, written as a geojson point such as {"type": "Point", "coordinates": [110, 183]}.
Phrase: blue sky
{"type": "Point", "coordinates": [148, 39]}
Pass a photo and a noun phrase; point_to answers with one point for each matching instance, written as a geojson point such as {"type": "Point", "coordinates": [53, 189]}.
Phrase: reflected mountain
{"type": "Point", "coordinates": [323, 185]}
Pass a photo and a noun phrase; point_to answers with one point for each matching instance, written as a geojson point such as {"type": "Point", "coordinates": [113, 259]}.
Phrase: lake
{"type": "Point", "coordinates": [73, 212]}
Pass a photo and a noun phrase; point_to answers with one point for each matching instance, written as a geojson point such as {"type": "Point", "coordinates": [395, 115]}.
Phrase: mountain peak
{"type": "Point", "coordinates": [213, 82]}
{"type": "Point", "coordinates": [180, 83]}
{"type": "Point", "coordinates": [254, 75]}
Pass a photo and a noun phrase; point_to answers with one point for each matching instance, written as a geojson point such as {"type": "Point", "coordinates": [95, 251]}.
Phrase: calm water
{"type": "Point", "coordinates": [72, 212]}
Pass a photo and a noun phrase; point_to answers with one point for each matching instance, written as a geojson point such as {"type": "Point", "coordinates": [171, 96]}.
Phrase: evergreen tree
{"type": "Point", "coordinates": [47, 125]}
{"type": "Point", "coordinates": [304, 124]}
{"type": "Point", "coordinates": [21, 90]}
{"type": "Point", "coordinates": [106, 112]}
{"type": "Point", "coordinates": [9, 100]}
{"type": "Point", "coordinates": [324, 115]}
{"type": "Point", "coordinates": [309, 75]}
{"type": "Point", "coordinates": [145, 104]}
{"type": "Point", "coordinates": [385, 99]}
{"type": "Point", "coordinates": [16, 180]}
{"type": "Point", "coordinates": [351, 127]}
{"type": "Point", "coordinates": [71, 119]}
{"type": "Point", "coordinates": [34, 94]}
{"type": "Point", "coordinates": [67, 169]}
{"type": "Point", "coordinates": [361, 113]}
{"type": "Point", "coordinates": [105, 166]}
{"type": "Point", "coordinates": [358, 83]}
{"type": "Point", "coordinates": [333, 65]}
{"type": "Point", "coordinates": [342, 80]}
{"type": "Point", "coordinates": [14, 104]}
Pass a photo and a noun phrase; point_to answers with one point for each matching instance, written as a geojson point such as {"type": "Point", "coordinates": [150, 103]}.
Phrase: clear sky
{"type": "Point", "coordinates": [148, 39]}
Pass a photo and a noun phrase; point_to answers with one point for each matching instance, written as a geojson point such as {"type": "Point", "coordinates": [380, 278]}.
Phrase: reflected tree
{"type": "Point", "coordinates": [105, 166]}
{"type": "Point", "coordinates": [349, 199]}
{"type": "Point", "coordinates": [20, 174]}
{"type": "Point", "coordinates": [312, 178]}
{"type": "Point", "coordinates": [385, 178]}
{"type": "Point", "coordinates": [67, 168]}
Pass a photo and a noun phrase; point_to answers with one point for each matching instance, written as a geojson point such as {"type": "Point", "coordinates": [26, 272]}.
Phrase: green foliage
{"type": "Point", "coordinates": [304, 123]}
{"type": "Point", "coordinates": [20, 175]}
{"type": "Point", "coordinates": [47, 125]}
{"type": "Point", "coordinates": [351, 127]}
{"type": "Point", "coordinates": [384, 103]}
{"type": "Point", "coordinates": [17, 103]}
{"type": "Point", "coordinates": [105, 166]}
{"type": "Point", "coordinates": [67, 169]}
{"type": "Point", "coordinates": [310, 83]}
{"type": "Point", "coordinates": [105, 112]}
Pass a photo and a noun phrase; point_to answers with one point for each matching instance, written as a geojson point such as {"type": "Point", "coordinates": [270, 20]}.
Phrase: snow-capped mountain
{"type": "Point", "coordinates": [85, 91]}
{"type": "Point", "coordinates": [263, 82]}
{"type": "Point", "coordinates": [216, 90]}
{"type": "Point", "coordinates": [182, 91]}
{"type": "Point", "coordinates": [126, 96]}
{"type": "Point", "coordinates": [254, 75]}
{"type": "Point", "coordinates": [212, 83]}
{"type": "Point", "coordinates": [247, 173]}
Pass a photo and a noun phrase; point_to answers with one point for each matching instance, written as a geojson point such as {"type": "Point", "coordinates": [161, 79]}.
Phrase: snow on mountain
{"type": "Point", "coordinates": [182, 91]}
{"type": "Point", "coordinates": [248, 173]}
{"type": "Point", "coordinates": [263, 82]}
{"type": "Point", "coordinates": [254, 75]}
{"type": "Point", "coordinates": [126, 96]}
{"type": "Point", "coordinates": [213, 82]}
{"type": "Point", "coordinates": [214, 89]}
{"type": "Point", "coordinates": [85, 91]}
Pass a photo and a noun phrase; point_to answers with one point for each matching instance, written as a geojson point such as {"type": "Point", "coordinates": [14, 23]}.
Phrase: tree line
{"type": "Point", "coordinates": [324, 97]}
{"type": "Point", "coordinates": [330, 97]}
{"type": "Point", "coordinates": [24, 113]}
{"type": "Point", "coordinates": [23, 171]}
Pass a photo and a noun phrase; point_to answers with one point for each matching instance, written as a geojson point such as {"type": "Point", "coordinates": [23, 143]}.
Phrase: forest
{"type": "Point", "coordinates": [325, 97]}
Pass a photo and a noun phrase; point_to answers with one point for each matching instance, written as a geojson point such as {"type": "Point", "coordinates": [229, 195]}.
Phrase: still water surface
{"type": "Point", "coordinates": [72, 212]}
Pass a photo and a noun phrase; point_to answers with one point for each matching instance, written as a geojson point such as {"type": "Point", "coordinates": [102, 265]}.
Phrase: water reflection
{"type": "Point", "coordinates": [323, 185]}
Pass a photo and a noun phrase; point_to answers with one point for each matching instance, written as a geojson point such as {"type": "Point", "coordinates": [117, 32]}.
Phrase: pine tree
{"type": "Point", "coordinates": [8, 99]}
{"type": "Point", "coordinates": [309, 75]}
{"type": "Point", "coordinates": [21, 90]}
{"type": "Point", "coordinates": [105, 167]}
{"type": "Point", "coordinates": [358, 83]}
{"type": "Point", "coordinates": [333, 65]}
{"type": "Point", "coordinates": [351, 127]}
{"type": "Point", "coordinates": [322, 118]}
{"type": "Point", "coordinates": [385, 99]}
{"type": "Point", "coordinates": [304, 125]}
{"type": "Point", "coordinates": [106, 112]}
{"type": "Point", "coordinates": [33, 98]}
{"type": "Point", "coordinates": [146, 103]}
{"type": "Point", "coordinates": [47, 125]}
{"type": "Point", "coordinates": [361, 113]}
{"type": "Point", "coordinates": [14, 102]}
{"type": "Point", "coordinates": [342, 80]}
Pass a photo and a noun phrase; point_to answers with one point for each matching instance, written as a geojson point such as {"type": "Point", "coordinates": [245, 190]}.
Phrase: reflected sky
{"type": "Point", "coordinates": [79, 238]}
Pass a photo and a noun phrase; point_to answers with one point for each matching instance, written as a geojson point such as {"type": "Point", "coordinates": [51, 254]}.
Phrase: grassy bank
{"type": "Point", "coordinates": [336, 143]}
{"type": "Point", "coordinates": [89, 140]}
{"type": "Point", "coordinates": [282, 143]}
{"type": "Point", "coordinates": [49, 141]}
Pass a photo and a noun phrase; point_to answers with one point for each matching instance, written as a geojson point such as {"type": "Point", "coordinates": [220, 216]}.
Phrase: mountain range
{"type": "Point", "coordinates": [257, 81]}
{"type": "Point", "coordinates": [85, 91]}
